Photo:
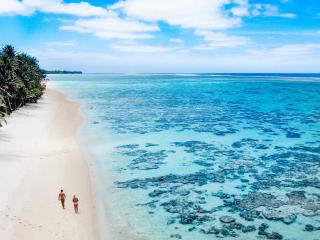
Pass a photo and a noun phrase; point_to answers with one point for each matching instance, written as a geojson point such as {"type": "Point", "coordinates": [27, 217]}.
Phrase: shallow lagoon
{"type": "Point", "coordinates": [205, 157]}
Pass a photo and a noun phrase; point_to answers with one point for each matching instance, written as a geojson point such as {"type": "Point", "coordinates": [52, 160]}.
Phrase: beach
{"type": "Point", "coordinates": [39, 155]}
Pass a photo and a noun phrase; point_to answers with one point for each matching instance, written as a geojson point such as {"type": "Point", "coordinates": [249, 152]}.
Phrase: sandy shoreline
{"type": "Point", "coordinates": [39, 155]}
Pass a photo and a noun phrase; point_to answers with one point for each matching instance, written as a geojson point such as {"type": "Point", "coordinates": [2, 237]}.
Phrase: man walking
{"type": "Point", "coordinates": [62, 197]}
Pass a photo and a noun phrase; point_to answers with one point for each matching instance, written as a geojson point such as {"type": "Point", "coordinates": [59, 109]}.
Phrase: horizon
{"type": "Point", "coordinates": [174, 73]}
{"type": "Point", "coordinates": [176, 36]}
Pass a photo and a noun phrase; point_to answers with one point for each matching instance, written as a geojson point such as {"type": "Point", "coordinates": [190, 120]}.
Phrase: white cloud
{"type": "Point", "coordinates": [216, 40]}
{"type": "Point", "coordinates": [14, 7]}
{"type": "Point", "coordinates": [203, 14]}
{"type": "Point", "coordinates": [288, 15]}
{"type": "Point", "coordinates": [244, 9]}
{"type": "Point", "coordinates": [28, 7]}
{"type": "Point", "coordinates": [130, 20]}
{"type": "Point", "coordinates": [176, 40]}
{"type": "Point", "coordinates": [200, 14]}
{"type": "Point", "coordinates": [113, 27]}
{"type": "Point", "coordinates": [269, 10]}
{"type": "Point", "coordinates": [306, 60]}
{"type": "Point", "coordinates": [241, 9]}
{"type": "Point", "coordinates": [289, 51]}
{"type": "Point", "coordinates": [62, 44]}
{"type": "Point", "coordinates": [133, 48]}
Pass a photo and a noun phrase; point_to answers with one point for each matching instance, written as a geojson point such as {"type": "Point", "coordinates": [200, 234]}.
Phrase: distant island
{"type": "Point", "coordinates": [61, 72]}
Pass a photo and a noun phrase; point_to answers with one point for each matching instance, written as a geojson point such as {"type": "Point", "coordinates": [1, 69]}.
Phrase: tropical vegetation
{"type": "Point", "coordinates": [21, 80]}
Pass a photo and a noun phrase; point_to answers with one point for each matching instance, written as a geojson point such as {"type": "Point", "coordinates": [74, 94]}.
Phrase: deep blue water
{"type": "Point", "coordinates": [204, 156]}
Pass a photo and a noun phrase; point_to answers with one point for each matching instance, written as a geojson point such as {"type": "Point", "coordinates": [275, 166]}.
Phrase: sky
{"type": "Point", "coordinates": [163, 36]}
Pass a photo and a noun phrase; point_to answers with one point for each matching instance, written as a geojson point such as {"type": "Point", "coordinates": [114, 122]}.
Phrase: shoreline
{"type": "Point", "coordinates": [40, 153]}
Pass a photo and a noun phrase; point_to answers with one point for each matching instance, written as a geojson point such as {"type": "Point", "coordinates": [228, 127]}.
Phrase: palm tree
{"type": "Point", "coordinates": [3, 108]}
{"type": "Point", "coordinates": [7, 75]}
{"type": "Point", "coordinates": [20, 80]}
{"type": "Point", "coordinates": [30, 73]}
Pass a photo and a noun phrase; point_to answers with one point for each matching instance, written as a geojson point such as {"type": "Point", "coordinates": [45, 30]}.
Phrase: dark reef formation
{"type": "Point", "coordinates": [249, 153]}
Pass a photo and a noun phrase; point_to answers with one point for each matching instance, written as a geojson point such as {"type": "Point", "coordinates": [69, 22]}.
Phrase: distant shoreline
{"type": "Point", "coordinates": [286, 77]}
{"type": "Point", "coordinates": [190, 74]}
{"type": "Point", "coordinates": [61, 72]}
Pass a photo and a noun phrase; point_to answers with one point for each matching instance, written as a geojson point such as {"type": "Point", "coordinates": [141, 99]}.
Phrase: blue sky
{"type": "Point", "coordinates": [166, 35]}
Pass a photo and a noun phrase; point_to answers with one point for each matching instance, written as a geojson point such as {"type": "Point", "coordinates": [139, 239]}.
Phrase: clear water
{"type": "Point", "coordinates": [174, 153]}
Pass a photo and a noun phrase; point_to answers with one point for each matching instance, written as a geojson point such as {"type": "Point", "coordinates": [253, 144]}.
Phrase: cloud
{"type": "Point", "coordinates": [244, 9]}
{"type": "Point", "coordinates": [202, 14]}
{"type": "Point", "coordinates": [269, 10]}
{"type": "Point", "coordinates": [133, 20]}
{"type": "Point", "coordinates": [281, 32]}
{"type": "Point", "coordinates": [289, 51]}
{"type": "Point", "coordinates": [241, 9]}
{"type": "Point", "coordinates": [28, 7]}
{"type": "Point", "coordinates": [133, 48]}
{"type": "Point", "coordinates": [138, 19]}
{"type": "Point", "coordinates": [216, 40]}
{"type": "Point", "coordinates": [176, 40]}
{"type": "Point", "coordinates": [14, 7]}
{"type": "Point", "coordinates": [62, 44]}
{"type": "Point", "coordinates": [113, 27]}
{"type": "Point", "coordinates": [278, 59]}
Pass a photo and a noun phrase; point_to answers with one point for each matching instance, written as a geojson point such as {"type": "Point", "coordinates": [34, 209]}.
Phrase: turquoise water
{"type": "Point", "coordinates": [203, 156]}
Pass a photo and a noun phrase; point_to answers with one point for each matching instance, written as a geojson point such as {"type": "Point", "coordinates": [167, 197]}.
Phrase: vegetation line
{"type": "Point", "coordinates": [21, 80]}
{"type": "Point", "coordinates": [61, 72]}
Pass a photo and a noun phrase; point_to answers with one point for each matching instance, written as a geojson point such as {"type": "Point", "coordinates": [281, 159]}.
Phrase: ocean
{"type": "Point", "coordinates": [203, 156]}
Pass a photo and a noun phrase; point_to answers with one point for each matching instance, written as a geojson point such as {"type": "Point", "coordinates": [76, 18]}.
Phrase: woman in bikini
{"type": "Point", "coordinates": [75, 201]}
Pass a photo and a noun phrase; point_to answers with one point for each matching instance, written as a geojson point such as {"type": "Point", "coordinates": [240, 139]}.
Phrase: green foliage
{"type": "Point", "coordinates": [3, 107]}
{"type": "Point", "coordinates": [21, 80]}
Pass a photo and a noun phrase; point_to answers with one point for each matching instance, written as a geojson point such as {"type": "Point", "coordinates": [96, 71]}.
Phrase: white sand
{"type": "Point", "coordinates": [38, 156]}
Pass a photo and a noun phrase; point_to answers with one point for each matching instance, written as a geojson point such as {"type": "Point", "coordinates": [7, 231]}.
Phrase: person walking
{"type": "Point", "coordinates": [75, 201]}
{"type": "Point", "coordinates": [62, 197]}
